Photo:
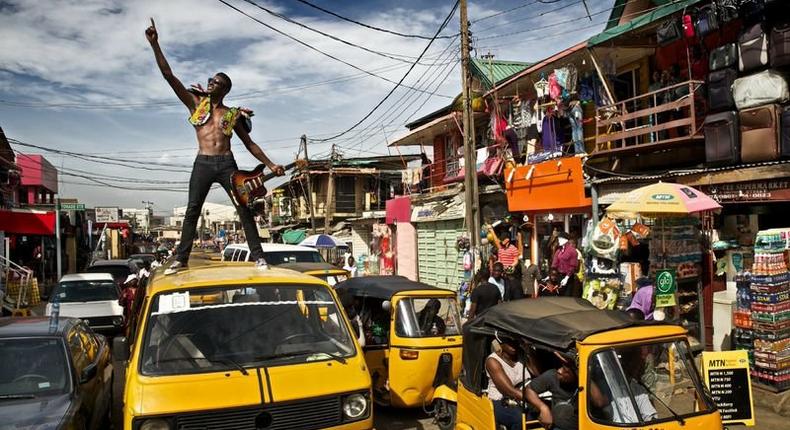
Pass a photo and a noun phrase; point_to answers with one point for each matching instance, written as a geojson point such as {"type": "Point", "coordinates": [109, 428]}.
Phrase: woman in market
{"type": "Point", "coordinates": [566, 261]}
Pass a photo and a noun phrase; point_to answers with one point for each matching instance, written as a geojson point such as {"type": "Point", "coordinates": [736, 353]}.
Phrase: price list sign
{"type": "Point", "coordinates": [727, 378]}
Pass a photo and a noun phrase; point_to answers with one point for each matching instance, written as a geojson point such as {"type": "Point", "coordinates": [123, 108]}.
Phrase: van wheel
{"type": "Point", "coordinates": [444, 414]}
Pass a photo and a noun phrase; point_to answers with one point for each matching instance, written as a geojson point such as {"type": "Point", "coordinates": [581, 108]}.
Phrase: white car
{"type": "Point", "coordinates": [92, 297]}
{"type": "Point", "coordinates": [274, 253]}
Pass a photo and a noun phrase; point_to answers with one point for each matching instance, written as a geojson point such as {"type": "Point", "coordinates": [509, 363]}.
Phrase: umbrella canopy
{"type": "Point", "coordinates": [663, 199]}
{"type": "Point", "coordinates": [323, 241]}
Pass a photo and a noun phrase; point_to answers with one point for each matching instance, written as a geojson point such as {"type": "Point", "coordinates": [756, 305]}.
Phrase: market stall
{"type": "Point", "coordinates": [663, 218]}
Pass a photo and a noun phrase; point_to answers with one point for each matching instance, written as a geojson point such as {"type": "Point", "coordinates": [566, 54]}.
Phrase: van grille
{"type": "Point", "coordinates": [306, 415]}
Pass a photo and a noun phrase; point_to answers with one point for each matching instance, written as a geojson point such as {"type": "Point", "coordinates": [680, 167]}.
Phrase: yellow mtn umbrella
{"type": "Point", "coordinates": [663, 199]}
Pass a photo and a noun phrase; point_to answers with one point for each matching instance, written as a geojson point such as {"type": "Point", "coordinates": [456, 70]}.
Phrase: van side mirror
{"type": "Point", "coordinates": [120, 348]}
{"type": "Point", "coordinates": [88, 373]}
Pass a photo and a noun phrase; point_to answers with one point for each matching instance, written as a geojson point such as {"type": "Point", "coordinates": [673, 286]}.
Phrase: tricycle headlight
{"type": "Point", "coordinates": [355, 405]}
{"type": "Point", "coordinates": [155, 424]}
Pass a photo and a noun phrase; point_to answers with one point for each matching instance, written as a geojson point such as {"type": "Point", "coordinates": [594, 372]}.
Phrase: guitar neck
{"type": "Point", "coordinates": [270, 175]}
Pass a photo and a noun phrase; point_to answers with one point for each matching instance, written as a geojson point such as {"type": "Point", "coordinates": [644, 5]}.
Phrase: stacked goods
{"type": "Point", "coordinates": [747, 87]}
{"type": "Point", "coordinates": [770, 309]}
{"type": "Point", "coordinates": [743, 335]}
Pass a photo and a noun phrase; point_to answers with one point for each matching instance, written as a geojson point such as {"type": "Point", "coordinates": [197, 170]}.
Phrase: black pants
{"type": "Point", "coordinates": [207, 170]}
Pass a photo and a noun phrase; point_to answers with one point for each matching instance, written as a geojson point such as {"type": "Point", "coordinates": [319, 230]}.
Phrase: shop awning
{"type": "Point", "coordinates": [27, 221]}
{"type": "Point", "coordinates": [293, 237]}
{"type": "Point", "coordinates": [441, 210]}
{"type": "Point", "coordinates": [641, 21]}
{"type": "Point", "coordinates": [423, 135]}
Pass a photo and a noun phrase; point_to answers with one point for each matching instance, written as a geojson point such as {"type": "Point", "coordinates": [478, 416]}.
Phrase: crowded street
{"type": "Point", "coordinates": [394, 215]}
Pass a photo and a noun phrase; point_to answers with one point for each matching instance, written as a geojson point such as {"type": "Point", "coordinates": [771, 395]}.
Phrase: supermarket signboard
{"type": "Point", "coordinates": [727, 377]}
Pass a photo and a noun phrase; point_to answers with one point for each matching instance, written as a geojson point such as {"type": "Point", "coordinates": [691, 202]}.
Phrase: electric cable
{"type": "Point", "coordinates": [398, 84]}
{"type": "Point", "coordinates": [313, 48]}
{"type": "Point", "coordinates": [392, 56]}
{"type": "Point", "coordinates": [371, 27]}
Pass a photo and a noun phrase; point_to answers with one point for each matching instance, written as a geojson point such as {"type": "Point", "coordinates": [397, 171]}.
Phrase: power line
{"type": "Point", "coordinates": [371, 27]}
{"type": "Point", "coordinates": [313, 48]}
{"type": "Point", "coordinates": [398, 84]}
{"type": "Point", "coordinates": [404, 97]}
{"type": "Point", "coordinates": [504, 11]}
{"type": "Point", "coordinates": [396, 57]}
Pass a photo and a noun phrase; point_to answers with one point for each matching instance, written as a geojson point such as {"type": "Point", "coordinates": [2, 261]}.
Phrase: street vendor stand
{"type": "Point", "coordinates": [676, 250]}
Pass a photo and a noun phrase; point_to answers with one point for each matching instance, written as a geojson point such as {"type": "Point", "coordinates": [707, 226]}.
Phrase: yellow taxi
{"type": "Point", "coordinates": [234, 346]}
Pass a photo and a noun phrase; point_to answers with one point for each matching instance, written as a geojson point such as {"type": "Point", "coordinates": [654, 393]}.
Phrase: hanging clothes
{"type": "Point", "coordinates": [552, 135]}
{"type": "Point", "coordinates": [542, 87]}
{"type": "Point", "coordinates": [576, 116]}
{"type": "Point", "coordinates": [555, 91]}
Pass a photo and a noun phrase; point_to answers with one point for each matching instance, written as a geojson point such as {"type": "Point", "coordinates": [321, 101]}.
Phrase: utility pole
{"type": "Point", "coordinates": [58, 251]}
{"type": "Point", "coordinates": [148, 205]}
{"type": "Point", "coordinates": [470, 171]}
{"type": "Point", "coordinates": [310, 204]}
{"type": "Point", "coordinates": [330, 192]}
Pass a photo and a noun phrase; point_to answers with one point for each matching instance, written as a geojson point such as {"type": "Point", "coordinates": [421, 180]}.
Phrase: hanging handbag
{"type": "Point", "coordinates": [727, 10]}
{"type": "Point", "coordinates": [706, 20]}
{"type": "Point", "coordinates": [668, 32]}
{"type": "Point", "coordinates": [688, 26]}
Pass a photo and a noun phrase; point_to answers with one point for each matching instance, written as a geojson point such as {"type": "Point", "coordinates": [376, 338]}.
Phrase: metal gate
{"type": "Point", "coordinates": [439, 263]}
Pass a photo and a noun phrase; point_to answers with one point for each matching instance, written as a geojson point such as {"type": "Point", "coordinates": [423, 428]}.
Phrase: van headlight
{"type": "Point", "coordinates": [355, 406]}
{"type": "Point", "coordinates": [117, 321]}
{"type": "Point", "coordinates": [155, 424]}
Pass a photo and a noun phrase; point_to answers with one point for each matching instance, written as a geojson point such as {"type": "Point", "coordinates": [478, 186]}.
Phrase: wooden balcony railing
{"type": "Point", "coordinates": [651, 122]}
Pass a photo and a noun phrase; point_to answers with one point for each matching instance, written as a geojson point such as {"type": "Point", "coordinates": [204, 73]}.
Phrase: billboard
{"type": "Point", "coordinates": [106, 214]}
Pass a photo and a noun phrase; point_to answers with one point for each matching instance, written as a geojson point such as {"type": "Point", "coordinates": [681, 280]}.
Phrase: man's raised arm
{"type": "Point", "coordinates": [185, 96]}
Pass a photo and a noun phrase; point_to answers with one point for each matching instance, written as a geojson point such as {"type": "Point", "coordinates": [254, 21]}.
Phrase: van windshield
{"type": "Point", "coordinates": [206, 330]}
{"type": "Point", "coordinates": [85, 291]}
{"type": "Point", "coordinates": [647, 383]}
{"type": "Point", "coordinates": [427, 317]}
{"type": "Point", "coordinates": [282, 257]}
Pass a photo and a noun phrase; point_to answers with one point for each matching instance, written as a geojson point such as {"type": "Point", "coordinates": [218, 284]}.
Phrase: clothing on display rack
{"type": "Point", "coordinates": [576, 117]}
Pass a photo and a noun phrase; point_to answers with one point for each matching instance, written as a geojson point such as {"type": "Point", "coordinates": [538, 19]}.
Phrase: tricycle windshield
{"type": "Point", "coordinates": [206, 330]}
{"type": "Point", "coordinates": [642, 384]}
{"type": "Point", "coordinates": [427, 317]}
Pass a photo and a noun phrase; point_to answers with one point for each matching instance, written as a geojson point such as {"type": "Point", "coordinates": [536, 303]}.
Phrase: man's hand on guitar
{"type": "Point", "coordinates": [278, 170]}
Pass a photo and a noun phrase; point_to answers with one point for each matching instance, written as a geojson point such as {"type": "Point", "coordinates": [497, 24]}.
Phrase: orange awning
{"type": "Point", "coordinates": [551, 186]}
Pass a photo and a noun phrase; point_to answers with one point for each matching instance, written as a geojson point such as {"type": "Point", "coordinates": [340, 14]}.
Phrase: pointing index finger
{"type": "Point", "coordinates": [152, 23]}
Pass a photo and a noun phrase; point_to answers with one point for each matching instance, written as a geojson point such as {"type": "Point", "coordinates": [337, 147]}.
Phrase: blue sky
{"type": "Point", "coordinates": [92, 56]}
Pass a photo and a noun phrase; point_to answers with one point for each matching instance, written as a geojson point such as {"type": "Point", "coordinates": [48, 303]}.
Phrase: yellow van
{"type": "Point", "coordinates": [270, 349]}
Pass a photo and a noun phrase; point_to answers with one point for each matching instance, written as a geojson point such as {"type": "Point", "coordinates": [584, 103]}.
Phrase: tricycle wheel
{"type": "Point", "coordinates": [444, 414]}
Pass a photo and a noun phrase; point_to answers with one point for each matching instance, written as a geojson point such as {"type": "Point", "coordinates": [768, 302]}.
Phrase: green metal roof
{"type": "Point", "coordinates": [669, 8]}
{"type": "Point", "coordinates": [492, 72]}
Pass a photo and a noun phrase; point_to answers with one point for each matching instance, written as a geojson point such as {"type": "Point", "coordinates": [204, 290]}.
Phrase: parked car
{"type": "Point", "coordinates": [142, 259]}
{"type": "Point", "coordinates": [274, 253]}
{"type": "Point", "coordinates": [54, 375]}
{"type": "Point", "coordinates": [93, 297]}
{"type": "Point", "coordinates": [120, 269]}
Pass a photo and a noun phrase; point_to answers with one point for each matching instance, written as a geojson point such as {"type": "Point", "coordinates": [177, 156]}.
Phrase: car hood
{"type": "Point", "coordinates": [34, 414]}
{"type": "Point", "coordinates": [89, 309]}
{"type": "Point", "coordinates": [228, 389]}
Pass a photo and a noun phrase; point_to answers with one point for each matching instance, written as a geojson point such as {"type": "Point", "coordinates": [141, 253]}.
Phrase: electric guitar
{"type": "Point", "coordinates": [248, 185]}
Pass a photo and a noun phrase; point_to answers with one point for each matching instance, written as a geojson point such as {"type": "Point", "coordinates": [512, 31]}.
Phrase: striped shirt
{"type": "Point", "coordinates": [508, 255]}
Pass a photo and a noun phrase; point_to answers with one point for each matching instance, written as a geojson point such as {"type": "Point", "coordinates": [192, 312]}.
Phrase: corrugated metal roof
{"type": "Point", "coordinates": [491, 72]}
{"type": "Point", "coordinates": [656, 14]}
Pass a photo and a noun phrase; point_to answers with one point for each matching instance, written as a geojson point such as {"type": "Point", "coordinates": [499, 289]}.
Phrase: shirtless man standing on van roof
{"type": "Point", "coordinates": [214, 125]}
